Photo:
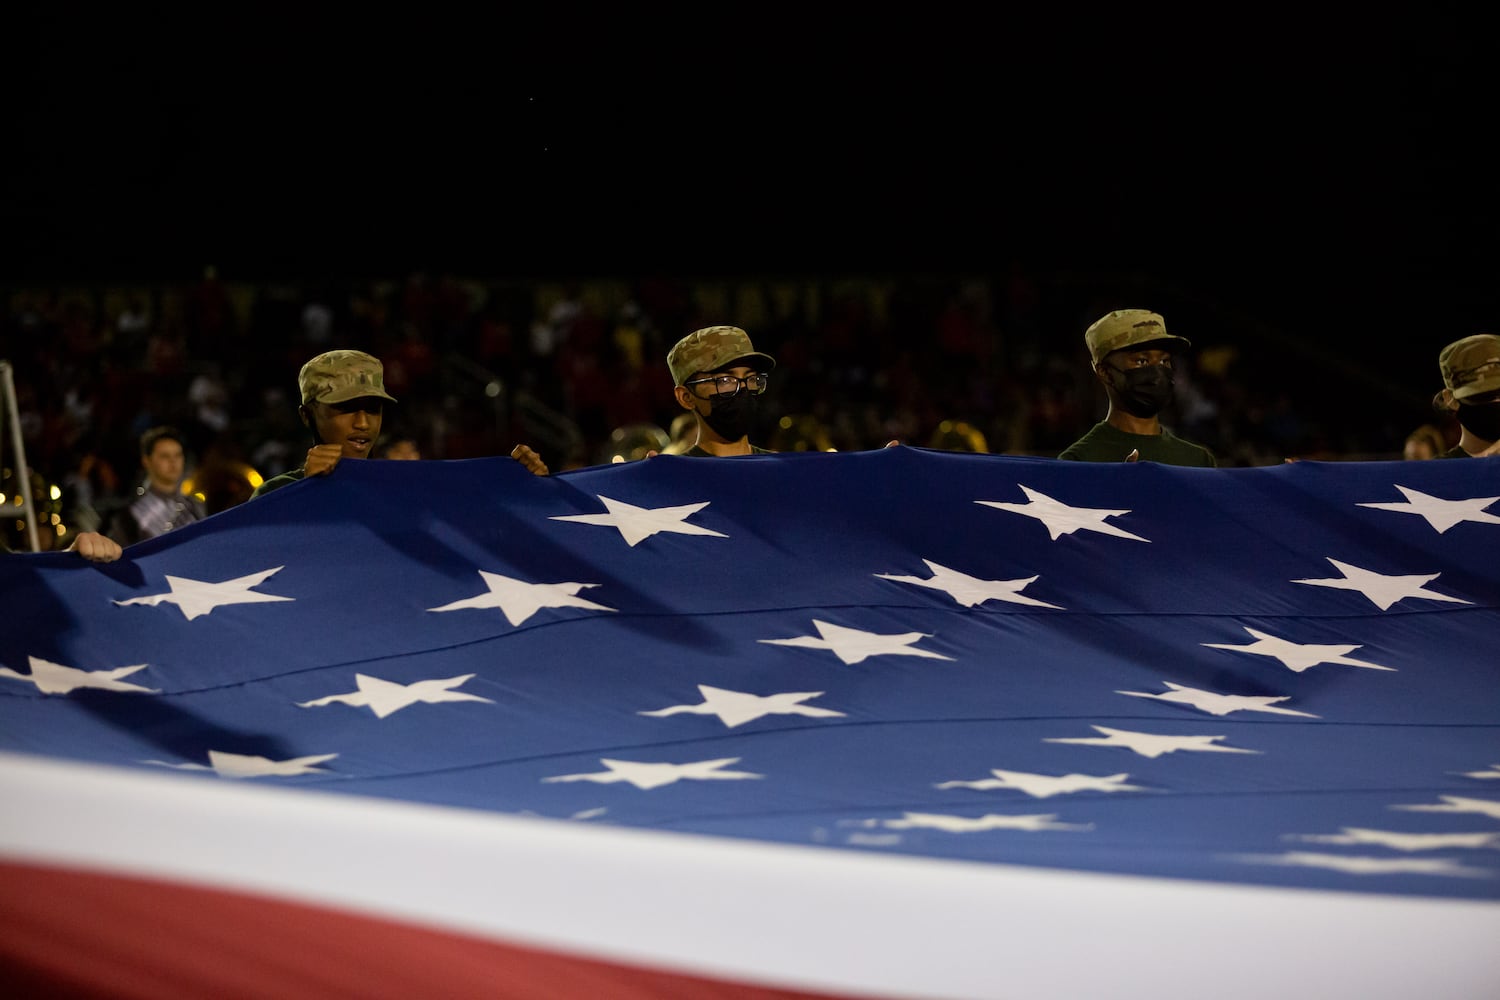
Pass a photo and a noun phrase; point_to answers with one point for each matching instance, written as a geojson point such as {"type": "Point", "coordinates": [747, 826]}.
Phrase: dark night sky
{"type": "Point", "coordinates": [1332, 171]}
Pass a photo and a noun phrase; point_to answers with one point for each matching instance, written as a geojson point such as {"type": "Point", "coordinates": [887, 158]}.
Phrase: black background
{"type": "Point", "coordinates": [1330, 177]}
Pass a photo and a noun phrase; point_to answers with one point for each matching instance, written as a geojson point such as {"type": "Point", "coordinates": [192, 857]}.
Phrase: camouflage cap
{"type": "Point", "coordinates": [339, 376]}
{"type": "Point", "coordinates": [1471, 367]}
{"type": "Point", "coordinates": [1129, 328]}
{"type": "Point", "coordinates": [714, 348]}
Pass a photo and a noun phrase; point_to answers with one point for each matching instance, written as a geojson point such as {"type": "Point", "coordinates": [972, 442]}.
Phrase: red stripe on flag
{"type": "Point", "coordinates": [72, 934]}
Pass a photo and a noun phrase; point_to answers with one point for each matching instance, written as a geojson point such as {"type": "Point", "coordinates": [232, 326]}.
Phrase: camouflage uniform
{"type": "Point", "coordinates": [715, 349]}
{"type": "Point", "coordinates": [1470, 367]}
{"type": "Point", "coordinates": [1117, 331]}
{"type": "Point", "coordinates": [333, 377]}
{"type": "Point", "coordinates": [712, 349]}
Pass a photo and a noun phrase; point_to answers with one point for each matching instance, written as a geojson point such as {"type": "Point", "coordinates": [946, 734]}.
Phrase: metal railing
{"type": "Point", "coordinates": [23, 472]}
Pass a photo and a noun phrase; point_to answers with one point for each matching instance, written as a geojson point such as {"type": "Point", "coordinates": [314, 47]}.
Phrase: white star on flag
{"type": "Point", "coordinates": [971, 591]}
{"type": "Point", "coordinates": [1150, 744]}
{"type": "Point", "coordinates": [853, 645]}
{"type": "Point", "coordinates": [1044, 786]}
{"type": "Point", "coordinates": [1383, 591]}
{"type": "Point", "coordinates": [648, 776]}
{"type": "Point", "coordinates": [386, 697]}
{"type": "Point", "coordinates": [965, 824]}
{"type": "Point", "coordinates": [735, 708]}
{"type": "Point", "coordinates": [636, 524]}
{"type": "Point", "coordinates": [198, 597]}
{"type": "Point", "coordinates": [54, 678]}
{"type": "Point", "coordinates": [1459, 804]}
{"type": "Point", "coordinates": [1403, 841]}
{"type": "Point", "coordinates": [1061, 519]}
{"type": "Point", "coordinates": [1298, 656]}
{"type": "Point", "coordinates": [1493, 772]}
{"type": "Point", "coordinates": [1218, 704]}
{"type": "Point", "coordinates": [520, 600]}
{"type": "Point", "coordinates": [1441, 514]}
{"type": "Point", "coordinates": [1368, 866]}
{"type": "Point", "coordinates": [234, 765]}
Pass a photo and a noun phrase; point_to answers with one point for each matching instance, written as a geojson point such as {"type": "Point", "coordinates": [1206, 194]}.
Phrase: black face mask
{"type": "Point", "coordinates": [1143, 392]}
{"type": "Point", "coordinates": [1481, 419]}
{"type": "Point", "coordinates": [733, 417]}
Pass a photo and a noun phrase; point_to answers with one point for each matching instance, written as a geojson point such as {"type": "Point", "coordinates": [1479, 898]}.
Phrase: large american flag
{"type": "Point", "coordinates": [894, 723]}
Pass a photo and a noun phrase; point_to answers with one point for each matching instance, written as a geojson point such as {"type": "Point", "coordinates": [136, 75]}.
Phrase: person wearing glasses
{"type": "Point", "coordinates": [1132, 355]}
{"type": "Point", "coordinates": [720, 378]}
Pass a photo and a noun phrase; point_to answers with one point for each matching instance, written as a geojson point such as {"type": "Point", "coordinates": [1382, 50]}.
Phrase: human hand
{"type": "Point", "coordinates": [321, 458]}
{"type": "Point", "coordinates": [893, 443]}
{"type": "Point", "coordinates": [529, 458]}
{"type": "Point", "coordinates": [95, 547]}
{"type": "Point", "coordinates": [1134, 456]}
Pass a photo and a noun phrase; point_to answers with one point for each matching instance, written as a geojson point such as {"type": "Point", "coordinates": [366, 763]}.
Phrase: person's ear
{"type": "Point", "coordinates": [684, 397]}
{"type": "Point", "coordinates": [305, 412]}
{"type": "Point", "coordinates": [1444, 402]}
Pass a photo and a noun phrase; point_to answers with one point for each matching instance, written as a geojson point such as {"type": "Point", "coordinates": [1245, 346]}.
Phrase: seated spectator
{"type": "Point", "coordinates": [1424, 442]}
{"type": "Point", "coordinates": [160, 503]}
{"type": "Point", "coordinates": [402, 449]}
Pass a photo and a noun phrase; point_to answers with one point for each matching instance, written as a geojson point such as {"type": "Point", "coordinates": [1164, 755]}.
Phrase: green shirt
{"type": "Point", "coordinates": [1106, 443]}
{"type": "Point", "coordinates": [697, 452]}
{"type": "Point", "coordinates": [277, 482]}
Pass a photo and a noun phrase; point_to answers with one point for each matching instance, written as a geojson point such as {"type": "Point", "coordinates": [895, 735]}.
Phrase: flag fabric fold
{"type": "Point", "coordinates": [876, 668]}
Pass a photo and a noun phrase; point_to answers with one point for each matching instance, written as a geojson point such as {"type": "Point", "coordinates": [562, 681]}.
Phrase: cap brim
{"type": "Point", "coordinates": [756, 360]}
{"type": "Point", "coordinates": [1173, 343]}
{"type": "Point", "coordinates": [361, 392]}
{"type": "Point", "coordinates": [1480, 388]}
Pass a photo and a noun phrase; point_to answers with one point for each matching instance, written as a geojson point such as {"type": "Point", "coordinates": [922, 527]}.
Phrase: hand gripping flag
{"type": "Point", "coordinates": [892, 723]}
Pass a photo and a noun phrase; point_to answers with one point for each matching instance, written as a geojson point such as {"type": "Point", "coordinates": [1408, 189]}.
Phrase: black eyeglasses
{"type": "Point", "coordinates": [730, 385]}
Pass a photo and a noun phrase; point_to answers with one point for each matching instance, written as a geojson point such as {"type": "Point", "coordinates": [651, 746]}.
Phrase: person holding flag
{"type": "Point", "coordinates": [719, 378]}
{"type": "Point", "coordinates": [343, 405]}
{"type": "Point", "coordinates": [1132, 355]}
{"type": "Point", "coordinates": [1471, 389]}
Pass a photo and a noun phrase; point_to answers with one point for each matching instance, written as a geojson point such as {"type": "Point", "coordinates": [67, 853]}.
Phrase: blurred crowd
{"type": "Point", "coordinates": [576, 369]}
